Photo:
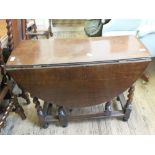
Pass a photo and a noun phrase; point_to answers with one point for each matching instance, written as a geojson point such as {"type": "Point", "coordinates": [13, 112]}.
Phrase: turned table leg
{"type": "Point", "coordinates": [128, 106]}
{"type": "Point", "coordinates": [25, 96]}
{"type": "Point", "coordinates": [40, 113]}
{"type": "Point", "coordinates": [18, 108]}
{"type": "Point", "coordinates": [47, 108]}
{"type": "Point", "coordinates": [62, 115]}
{"type": "Point", "coordinates": [108, 108]}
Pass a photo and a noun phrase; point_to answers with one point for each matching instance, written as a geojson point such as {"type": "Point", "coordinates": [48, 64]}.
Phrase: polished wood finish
{"type": "Point", "coordinates": [15, 32]}
{"type": "Point", "coordinates": [63, 68]}
{"type": "Point", "coordinates": [56, 51]}
{"type": "Point", "coordinates": [10, 34]}
{"type": "Point", "coordinates": [23, 25]}
{"type": "Point", "coordinates": [90, 84]}
{"type": "Point", "coordinates": [78, 73]}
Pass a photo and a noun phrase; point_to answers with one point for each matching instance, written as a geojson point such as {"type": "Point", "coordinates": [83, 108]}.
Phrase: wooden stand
{"type": "Point", "coordinates": [8, 93]}
{"type": "Point", "coordinates": [45, 116]}
{"type": "Point", "coordinates": [12, 106]}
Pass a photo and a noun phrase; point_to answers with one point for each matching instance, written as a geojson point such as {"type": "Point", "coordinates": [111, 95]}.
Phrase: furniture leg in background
{"type": "Point", "coordinates": [32, 30]}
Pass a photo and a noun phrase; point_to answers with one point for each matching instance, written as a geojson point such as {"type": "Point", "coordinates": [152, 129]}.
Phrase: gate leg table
{"type": "Point", "coordinates": [72, 73]}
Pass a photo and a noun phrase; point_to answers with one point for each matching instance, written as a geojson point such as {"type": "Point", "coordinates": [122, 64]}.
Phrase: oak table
{"type": "Point", "coordinates": [74, 73]}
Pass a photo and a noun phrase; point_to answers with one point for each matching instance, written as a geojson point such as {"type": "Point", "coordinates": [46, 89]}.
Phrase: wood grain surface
{"type": "Point", "coordinates": [56, 51]}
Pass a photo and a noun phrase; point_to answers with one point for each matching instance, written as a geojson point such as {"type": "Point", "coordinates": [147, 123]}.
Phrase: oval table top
{"type": "Point", "coordinates": [58, 51]}
{"type": "Point", "coordinates": [64, 75]}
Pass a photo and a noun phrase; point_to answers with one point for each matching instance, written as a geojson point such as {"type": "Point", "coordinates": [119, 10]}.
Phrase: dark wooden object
{"type": "Point", "coordinates": [9, 90]}
{"type": "Point", "coordinates": [1, 55]}
{"type": "Point", "coordinates": [78, 73]}
{"type": "Point", "coordinates": [50, 28]}
{"type": "Point", "coordinates": [63, 117]}
{"type": "Point", "coordinates": [15, 32]}
{"type": "Point", "coordinates": [10, 34]}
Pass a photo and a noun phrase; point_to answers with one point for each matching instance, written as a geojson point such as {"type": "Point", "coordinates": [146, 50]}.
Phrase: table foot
{"type": "Point", "coordinates": [128, 106]}
{"type": "Point", "coordinates": [108, 108]}
{"type": "Point", "coordinates": [18, 109]}
{"type": "Point", "coordinates": [62, 115]}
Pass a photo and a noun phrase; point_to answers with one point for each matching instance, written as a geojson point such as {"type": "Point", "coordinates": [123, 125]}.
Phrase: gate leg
{"type": "Point", "coordinates": [47, 108]}
{"type": "Point", "coordinates": [128, 107]}
{"type": "Point", "coordinates": [40, 113]}
{"type": "Point", "coordinates": [62, 115]}
{"type": "Point", "coordinates": [108, 108]}
{"type": "Point", "coordinates": [18, 108]}
{"type": "Point", "coordinates": [25, 95]}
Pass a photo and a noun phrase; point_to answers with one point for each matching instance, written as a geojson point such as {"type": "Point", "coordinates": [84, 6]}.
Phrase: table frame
{"type": "Point", "coordinates": [63, 117]}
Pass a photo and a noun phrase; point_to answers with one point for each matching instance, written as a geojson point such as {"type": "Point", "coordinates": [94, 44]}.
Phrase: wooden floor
{"type": "Point", "coordinates": [3, 30]}
{"type": "Point", "coordinates": [142, 120]}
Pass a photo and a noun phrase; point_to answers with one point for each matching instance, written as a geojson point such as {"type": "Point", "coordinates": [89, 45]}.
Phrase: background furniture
{"type": "Point", "coordinates": [3, 33]}
{"type": "Point", "coordinates": [3, 30]}
{"type": "Point", "coordinates": [16, 32]}
{"type": "Point", "coordinates": [9, 90]}
{"type": "Point", "coordinates": [32, 30]}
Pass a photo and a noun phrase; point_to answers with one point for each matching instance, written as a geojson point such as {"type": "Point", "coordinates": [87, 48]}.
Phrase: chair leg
{"type": "Point", "coordinates": [6, 113]}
